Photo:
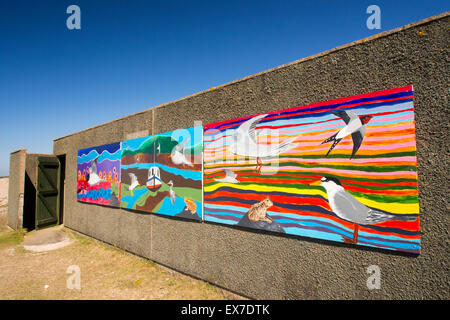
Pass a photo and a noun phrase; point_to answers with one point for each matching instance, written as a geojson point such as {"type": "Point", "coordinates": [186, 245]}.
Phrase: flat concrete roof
{"type": "Point", "coordinates": [318, 55]}
{"type": "Point", "coordinates": [22, 149]}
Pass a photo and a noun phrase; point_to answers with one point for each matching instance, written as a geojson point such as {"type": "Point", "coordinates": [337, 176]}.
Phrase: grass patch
{"type": "Point", "coordinates": [80, 239]}
{"type": "Point", "coordinates": [12, 238]}
{"type": "Point", "coordinates": [171, 283]}
{"type": "Point", "coordinates": [21, 250]}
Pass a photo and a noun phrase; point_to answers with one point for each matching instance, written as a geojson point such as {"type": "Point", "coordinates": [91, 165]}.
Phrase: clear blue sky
{"type": "Point", "coordinates": [133, 55]}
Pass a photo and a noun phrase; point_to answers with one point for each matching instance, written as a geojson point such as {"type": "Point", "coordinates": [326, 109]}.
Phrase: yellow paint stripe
{"type": "Point", "coordinates": [395, 207]}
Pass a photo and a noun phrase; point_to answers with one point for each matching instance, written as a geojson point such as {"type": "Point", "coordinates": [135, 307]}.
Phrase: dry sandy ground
{"type": "Point", "coordinates": [106, 272]}
{"type": "Point", "coordinates": [3, 203]}
{"type": "Point", "coordinates": [3, 191]}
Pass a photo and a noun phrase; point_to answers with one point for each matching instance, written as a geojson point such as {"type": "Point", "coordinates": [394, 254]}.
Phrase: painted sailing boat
{"type": "Point", "coordinates": [154, 177]}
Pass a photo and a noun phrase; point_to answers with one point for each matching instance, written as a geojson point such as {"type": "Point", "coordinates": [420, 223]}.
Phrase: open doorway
{"type": "Point", "coordinates": [29, 204]}
{"type": "Point", "coordinates": [62, 181]}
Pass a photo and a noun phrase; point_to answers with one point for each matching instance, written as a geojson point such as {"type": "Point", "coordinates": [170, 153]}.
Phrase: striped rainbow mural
{"type": "Point", "coordinates": [370, 199]}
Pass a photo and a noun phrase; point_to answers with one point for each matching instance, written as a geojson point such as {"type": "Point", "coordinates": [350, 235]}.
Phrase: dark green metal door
{"type": "Point", "coordinates": [47, 192]}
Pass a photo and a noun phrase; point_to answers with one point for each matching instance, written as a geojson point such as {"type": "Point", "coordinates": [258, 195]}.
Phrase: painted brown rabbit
{"type": "Point", "coordinates": [258, 212]}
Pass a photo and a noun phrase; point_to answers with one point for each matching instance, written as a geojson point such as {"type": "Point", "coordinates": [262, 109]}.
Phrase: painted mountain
{"type": "Point", "coordinates": [98, 175]}
{"type": "Point", "coordinates": [343, 170]}
{"type": "Point", "coordinates": [163, 173]}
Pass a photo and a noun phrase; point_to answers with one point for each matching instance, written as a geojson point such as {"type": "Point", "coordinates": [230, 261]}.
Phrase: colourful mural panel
{"type": "Point", "coordinates": [163, 173]}
{"type": "Point", "coordinates": [98, 175]}
{"type": "Point", "coordinates": [343, 170]}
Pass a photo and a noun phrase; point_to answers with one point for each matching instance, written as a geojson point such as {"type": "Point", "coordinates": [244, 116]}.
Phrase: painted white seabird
{"type": "Point", "coordinates": [230, 177]}
{"type": "Point", "coordinates": [178, 156]}
{"type": "Point", "coordinates": [93, 178]}
{"type": "Point", "coordinates": [356, 126]}
{"type": "Point", "coordinates": [346, 207]}
{"type": "Point", "coordinates": [245, 143]}
{"type": "Point", "coordinates": [171, 192]}
{"type": "Point", "coordinates": [134, 182]}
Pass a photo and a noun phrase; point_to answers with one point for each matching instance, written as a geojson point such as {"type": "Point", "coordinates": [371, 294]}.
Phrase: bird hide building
{"type": "Point", "coordinates": [287, 184]}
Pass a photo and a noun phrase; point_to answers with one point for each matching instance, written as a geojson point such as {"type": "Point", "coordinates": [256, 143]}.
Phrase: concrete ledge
{"type": "Point", "coordinates": [20, 150]}
{"type": "Point", "coordinates": [47, 239]}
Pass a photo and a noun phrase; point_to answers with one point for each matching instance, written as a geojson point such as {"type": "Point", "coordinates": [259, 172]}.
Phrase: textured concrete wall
{"type": "Point", "coordinates": [16, 188]}
{"type": "Point", "coordinates": [270, 266]}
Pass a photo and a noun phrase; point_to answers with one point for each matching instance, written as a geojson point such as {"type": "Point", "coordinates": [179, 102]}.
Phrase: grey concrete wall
{"type": "Point", "coordinates": [270, 266]}
{"type": "Point", "coordinates": [16, 188]}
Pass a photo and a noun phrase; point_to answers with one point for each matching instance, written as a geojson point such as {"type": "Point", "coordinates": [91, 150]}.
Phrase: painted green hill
{"type": "Point", "coordinates": [166, 145]}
